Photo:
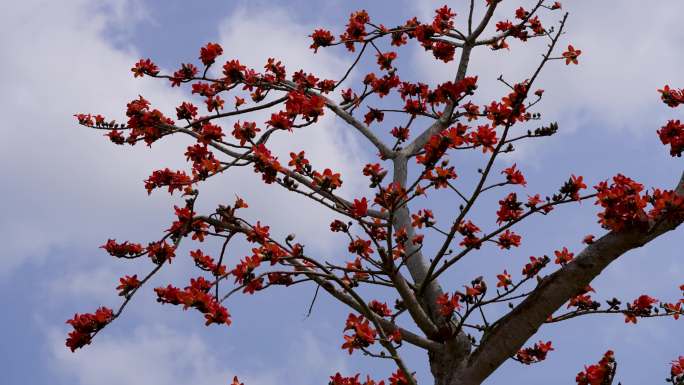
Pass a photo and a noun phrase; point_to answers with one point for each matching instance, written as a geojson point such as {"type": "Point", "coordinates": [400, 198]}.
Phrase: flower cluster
{"type": "Point", "coordinates": [86, 325]}
{"type": "Point", "coordinates": [534, 354]}
{"type": "Point", "coordinates": [642, 306]}
{"type": "Point", "coordinates": [510, 209]}
{"type": "Point", "coordinates": [197, 296]}
{"type": "Point", "coordinates": [622, 202]}
{"type": "Point", "coordinates": [174, 180]}
{"type": "Point", "coordinates": [363, 334]}
{"type": "Point", "coordinates": [127, 285]}
{"type": "Point", "coordinates": [673, 134]}
{"type": "Point", "coordinates": [448, 304]}
{"type": "Point", "coordinates": [600, 373]}
{"type": "Point", "coordinates": [122, 250]}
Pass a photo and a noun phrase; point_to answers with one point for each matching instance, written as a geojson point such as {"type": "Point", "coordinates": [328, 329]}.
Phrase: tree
{"type": "Point", "coordinates": [389, 258]}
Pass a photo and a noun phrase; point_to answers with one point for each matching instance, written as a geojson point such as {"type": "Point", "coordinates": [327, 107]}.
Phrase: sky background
{"type": "Point", "coordinates": [66, 189]}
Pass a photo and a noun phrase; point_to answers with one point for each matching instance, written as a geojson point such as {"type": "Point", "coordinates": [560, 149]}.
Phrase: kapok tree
{"type": "Point", "coordinates": [385, 247]}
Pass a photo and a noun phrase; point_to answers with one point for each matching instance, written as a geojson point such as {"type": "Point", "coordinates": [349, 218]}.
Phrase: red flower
{"type": "Point", "coordinates": [359, 208]}
{"type": "Point", "coordinates": [85, 325]}
{"type": "Point", "coordinates": [360, 247]}
{"type": "Point", "coordinates": [571, 55]}
{"type": "Point", "coordinates": [327, 180]}
{"type": "Point", "coordinates": [363, 336]}
{"type": "Point", "coordinates": [281, 121]}
{"type": "Point", "coordinates": [209, 53]}
{"type": "Point", "coordinates": [184, 74]}
{"type": "Point", "coordinates": [468, 230]}
{"type": "Point", "coordinates": [265, 163]}
{"type": "Point", "coordinates": [210, 132]}
{"type": "Point", "coordinates": [672, 97]}
{"type": "Point", "coordinates": [423, 217]}
{"type": "Point", "coordinates": [321, 38]}
{"type": "Point", "coordinates": [443, 20]}
{"type": "Point", "coordinates": [514, 176]}
{"type": "Point", "coordinates": [673, 134]}
{"type": "Point", "coordinates": [443, 51]}
{"type": "Point", "coordinates": [373, 115]}
{"type": "Point", "coordinates": [160, 252]}
{"type": "Point", "coordinates": [642, 306]}
{"type": "Point", "coordinates": [380, 308]}
{"type": "Point", "coordinates": [145, 67]}
{"type": "Point", "coordinates": [677, 369]}
{"type": "Point", "coordinates": [485, 136]}
{"type": "Point", "coordinates": [535, 265]}
{"type": "Point", "coordinates": [385, 60]}
{"type": "Point", "coordinates": [234, 71]}
{"type": "Point", "coordinates": [573, 186]}
{"type": "Point", "coordinates": [128, 284]}
{"type": "Point", "coordinates": [122, 250]}
{"type": "Point", "coordinates": [622, 202]}
{"type": "Point", "coordinates": [448, 304]}
{"type": "Point", "coordinates": [534, 354]}
{"type": "Point", "coordinates": [245, 132]}
{"type": "Point", "coordinates": [186, 111]}
{"type": "Point", "coordinates": [598, 374]}
{"type": "Point", "coordinates": [563, 256]}
{"type": "Point", "coordinates": [398, 378]}
{"type": "Point", "coordinates": [509, 209]}
{"type": "Point", "coordinates": [508, 239]}
{"type": "Point", "coordinates": [504, 280]}
{"type": "Point", "coordinates": [441, 176]}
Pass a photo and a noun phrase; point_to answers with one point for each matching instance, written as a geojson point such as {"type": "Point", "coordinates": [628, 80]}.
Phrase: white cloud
{"type": "Point", "coordinates": [155, 354]}
{"type": "Point", "coordinates": [628, 50]}
{"type": "Point", "coordinates": [69, 188]}
{"type": "Point", "coordinates": [64, 185]}
{"type": "Point", "coordinates": [150, 355]}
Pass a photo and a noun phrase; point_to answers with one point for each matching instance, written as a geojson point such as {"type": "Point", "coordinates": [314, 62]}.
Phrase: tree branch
{"type": "Point", "coordinates": [515, 328]}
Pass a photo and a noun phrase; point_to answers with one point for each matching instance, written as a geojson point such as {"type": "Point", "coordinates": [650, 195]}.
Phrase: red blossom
{"type": "Point", "coordinates": [145, 67]}
{"type": "Point", "coordinates": [598, 374]}
{"type": "Point", "coordinates": [363, 334]}
{"type": "Point", "coordinates": [122, 250]}
{"type": "Point", "coordinates": [359, 208]}
{"type": "Point", "coordinates": [175, 180]}
{"type": "Point", "coordinates": [422, 218]}
{"type": "Point", "coordinates": [385, 60]}
{"type": "Point", "coordinates": [534, 354]}
{"type": "Point", "coordinates": [672, 97]}
{"type": "Point", "coordinates": [380, 308]}
{"type": "Point", "coordinates": [321, 38]}
{"type": "Point", "coordinates": [622, 202]}
{"type": "Point", "coordinates": [484, 136]}
{"type": "Point", "coordinates": [86, 325]}
{"type": "Point", "coordinates": [563, 256]}
{"type": "Point", "coordinates": [448, 303]}
{"type": "Point", "coordinates": [504, 280]}
{"type": "Point", "coordinates": [209, 53]}
{"type": "Point", "coordinates": [127, 284]}
{"type": "Point", "coordinates": [535, 265]}
{"type": "Point", "coordinates": [160, 252]}
{"type": "Point", "coordinates": [514, 176]}
{"type": "Point", "coordinates": [509, 239]}
{"type": "Point", "coordinates": [673, 134]}
{"type": "Point", "coordinates": [265, 163]}
{"type": "Point", "coordinates": [510, 209]}
{"type": "Point", "coordinates": [245, 132]}
{"type": "Point", "coordinates": [571, 55]}
{"type": "Point", "coordinates": [328, 180]}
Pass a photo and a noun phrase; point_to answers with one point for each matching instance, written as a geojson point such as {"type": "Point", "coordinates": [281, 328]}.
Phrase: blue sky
{"type": "Point", "coordinates": [66, 190]}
